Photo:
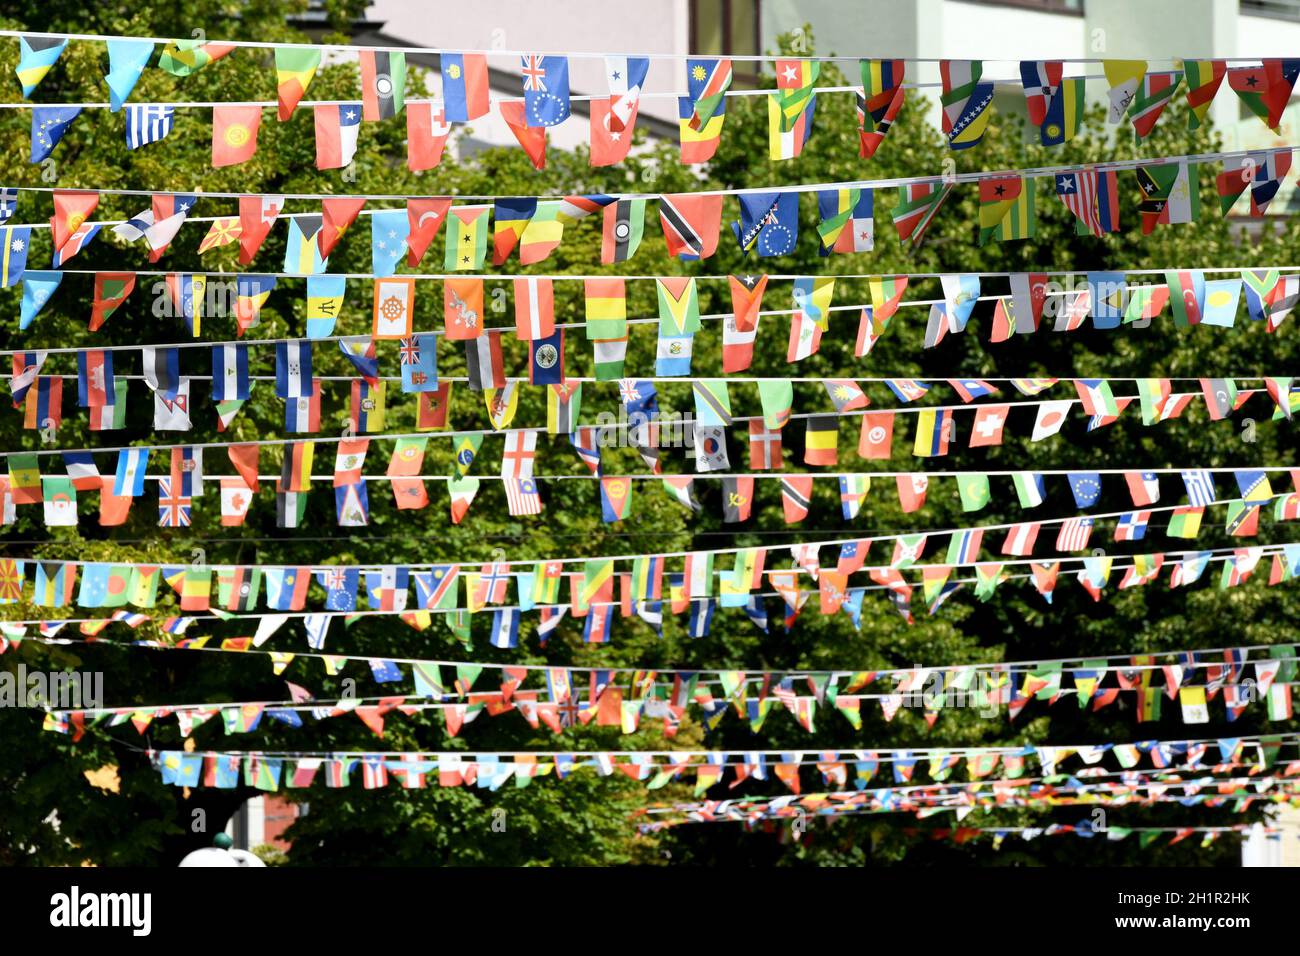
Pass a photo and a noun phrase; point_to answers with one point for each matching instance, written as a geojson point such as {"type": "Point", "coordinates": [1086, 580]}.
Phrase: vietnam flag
{"type": "Point", "coordinates": [294, 69]}
{"type": "Point", "coordinates": [234, 134]}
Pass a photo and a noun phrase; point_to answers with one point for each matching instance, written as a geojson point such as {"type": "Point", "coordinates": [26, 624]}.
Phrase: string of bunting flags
{"type": "Point", "coordinates": [624, 706]}
{"type": "Point", "coordinates": [592, 591]}
{"type": "Point", "coordinates": [1054, 102]}
{"type": "Point", "coordinates": [532, 227]}
{"type": "Point", "coordinates": [299, 769]}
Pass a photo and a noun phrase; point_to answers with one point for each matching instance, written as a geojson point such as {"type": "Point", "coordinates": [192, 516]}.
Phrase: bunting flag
{"type": "Point", "coordinates": [967, 103]}
{"type": "Point", "coordinates": [879, 102]}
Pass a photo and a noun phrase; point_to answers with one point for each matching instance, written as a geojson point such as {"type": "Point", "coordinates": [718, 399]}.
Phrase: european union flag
{"type": "Point", "coordinates": [49, 123]}
{"type": "Point", "coordinates": [1086, 486]}
{"type": "Point", "coordinates": [546, 90]}
{"type": "Point", "coordinates": [769, 223]}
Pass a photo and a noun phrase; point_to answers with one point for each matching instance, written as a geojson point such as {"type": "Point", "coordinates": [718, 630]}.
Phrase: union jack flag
{"type": "Point", "coordinates": [628, 392]}
{"type": "Point", "coordinates": [534, 71]}
{"type": "Point", "coordinates": [410, 351]}
{"type": "Point", "coordinates": [173, 508]}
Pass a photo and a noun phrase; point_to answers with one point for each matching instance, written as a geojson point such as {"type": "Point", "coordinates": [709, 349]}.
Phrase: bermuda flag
{"type": "Point", "coordinates": [1074, 535]}
{"type": "Point", "coordinates": [1132, 526]}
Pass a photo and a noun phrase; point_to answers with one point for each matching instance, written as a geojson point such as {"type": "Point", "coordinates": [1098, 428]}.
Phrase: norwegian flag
{"type": "Point", "coordinates": [1074, 534]}
{"type": "Point", "coordinates": [492, 583]}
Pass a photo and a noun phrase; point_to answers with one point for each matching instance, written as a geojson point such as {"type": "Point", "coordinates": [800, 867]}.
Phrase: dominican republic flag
{"type": "Point", "coordinates": [1132, 526]}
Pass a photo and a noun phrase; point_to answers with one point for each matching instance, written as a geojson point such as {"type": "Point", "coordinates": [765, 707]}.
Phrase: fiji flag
{"type": "Point", "coordinates": [546, 89]}
{"type": "Point", "coordinates": [16, 241]}
{"type": "Point", "coordinates": [419, 356]}
{"type": "Point", "coordinates": [49, 123]}
{"type": "Point", "coordinates": [769, 223]}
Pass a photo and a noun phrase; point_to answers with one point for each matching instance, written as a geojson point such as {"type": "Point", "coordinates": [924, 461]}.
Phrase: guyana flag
{"type": "Point", "coordinates": [1006, 208]}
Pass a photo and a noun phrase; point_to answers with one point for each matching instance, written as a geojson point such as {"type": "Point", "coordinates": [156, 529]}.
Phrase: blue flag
{"type": "Point", "coordinates": [546, 89]}
{"type": "Point", "coordinates": [126, 61]}
{"type": "Point", "coordinates": [49, 123]}
{"type": "Point", "coordinates": [769, 223]}
{"type": "Point", "coordinates": [419, 355]}
{"type": "Point", "coordinates": [16, 240]}
{"type": "Point", "coordinates": [388, 234]}
{"type": "Point", "coordinates": [37, 289]}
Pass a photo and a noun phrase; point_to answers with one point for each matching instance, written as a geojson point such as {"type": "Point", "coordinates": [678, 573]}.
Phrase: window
{"type": "Point", "coordinates": [728, 28]}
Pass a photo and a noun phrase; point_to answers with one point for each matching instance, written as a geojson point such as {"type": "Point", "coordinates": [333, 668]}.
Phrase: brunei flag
{"type": "Point", "coordinates": [294, 69]}
{"type": "Point", "coordinates": [1006, 208]}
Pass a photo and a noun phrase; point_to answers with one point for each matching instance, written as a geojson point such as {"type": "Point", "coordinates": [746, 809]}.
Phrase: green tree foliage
{"type": "Point", "coordinates": [585, 819]}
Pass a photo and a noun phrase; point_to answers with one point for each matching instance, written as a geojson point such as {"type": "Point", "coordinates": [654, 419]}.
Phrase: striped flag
{"type": "Point", "coordinates": [1074, 534]}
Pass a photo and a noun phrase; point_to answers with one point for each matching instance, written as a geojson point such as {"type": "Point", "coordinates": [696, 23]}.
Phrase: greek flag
{"type": "Point", "coordinates": [1200, 488]}
{"type": "Point", "coordinates": [8, 203]}
{"type": "Point", "coordinates": [147, 124]}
